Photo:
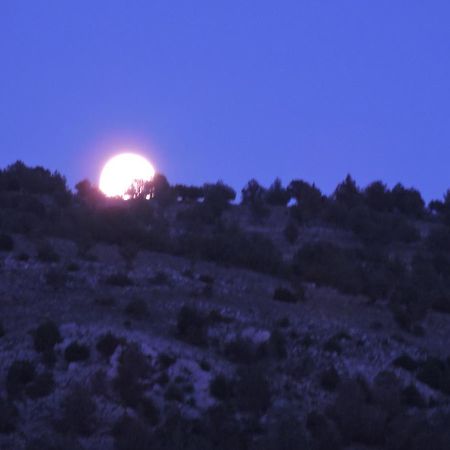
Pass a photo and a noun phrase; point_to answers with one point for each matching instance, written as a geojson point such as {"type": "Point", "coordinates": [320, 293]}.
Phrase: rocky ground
{"type": "Point", "coordinates": [184, 362]}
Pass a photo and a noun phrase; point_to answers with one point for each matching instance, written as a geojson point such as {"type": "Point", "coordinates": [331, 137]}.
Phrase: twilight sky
{"type": "Point", "coordinates": [235, 89]}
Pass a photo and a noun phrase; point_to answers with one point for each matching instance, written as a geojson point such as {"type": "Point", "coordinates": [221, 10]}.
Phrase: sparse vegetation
{"type": "Point", "coordinates": [357, 253]}
{"type": "Point", "coordinates": [192, 326]}
{"type": "Point", "coordinates": [137, 308]}
{"type": "Point", "coordinates": [46, 336]}
{"type": "Point", "coordinates": [6, 243]}
{"type": "Point", "coordinates": [221, 387]}
{"type": "Point", "coordinates": [107, 344]}
{"type": "Point", "coordinates": [76, 352]}
{"type": "Point", "coordinates": [119, 280]}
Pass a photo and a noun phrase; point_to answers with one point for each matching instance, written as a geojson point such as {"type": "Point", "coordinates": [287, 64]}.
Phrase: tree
{"type": "Point", "coordinates": [407, 201]}
{"type": "Point", "coordinates": [277, 195]}
{"type": "Point", "coordinates": [347, 193]}
{"type": "Point", "coordinates": [253, 195]}
{"type": "Point", "coordinates": [217, 199]}
{"type": "Point", "coordinates": [309, 198]}
{"type": "Point", "coordinates": [377, 196]}
{"type": "Point", "coordinates": [188, 193]}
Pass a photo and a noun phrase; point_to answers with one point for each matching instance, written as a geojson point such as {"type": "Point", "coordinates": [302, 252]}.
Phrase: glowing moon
{"type": "Point", "coordinates": [122, 171]}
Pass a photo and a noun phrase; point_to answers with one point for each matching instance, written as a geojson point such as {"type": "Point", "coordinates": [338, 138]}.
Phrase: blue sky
{"type": "Point", "coordinates": [230, 90]}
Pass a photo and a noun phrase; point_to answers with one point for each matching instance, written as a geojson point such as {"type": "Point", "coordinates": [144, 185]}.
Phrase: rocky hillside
{"type": "Point", "coordinates": [188, 321]}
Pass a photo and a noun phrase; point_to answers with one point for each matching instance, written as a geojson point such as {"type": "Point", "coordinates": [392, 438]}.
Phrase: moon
{"type": "Point", "coordinates": [122, 171]}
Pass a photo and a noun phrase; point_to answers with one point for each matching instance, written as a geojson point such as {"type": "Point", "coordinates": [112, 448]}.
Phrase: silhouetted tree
{"type": "Point", "coordinates": [253, 195]}
{"type": "Point", "coordinates": [217, 199]}
{"type": "Point", "coordinates": [309, 199]}
{"type": "Point", "coordinates": [377, 196]}
{"type": "Point", "coordinates": [407, 201]}
{"type": "Point", "coordinates": [188, 193]}
{"type": "Point", "coordinates": [277, 195]}
{"type": "Point", "coordinates": [347, 193]}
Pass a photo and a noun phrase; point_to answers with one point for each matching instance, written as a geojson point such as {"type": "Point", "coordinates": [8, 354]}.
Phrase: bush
{"type": "Point", "coordinates": [244, 351]}
{"type": "Point", "coordinates": [165, 360]}
{"type": "Point", "coordinates": [137, 309]}
{"type": "Point", "coordinates": [119, 280]}
{"type": "Point", "coordinates": [192, 326]}
{"type": "Point", "coordinates": [130, 433]}
{"type": "Point", "coordinates": [107, 344]}
{"type": "Point", "coordinates": [160, 279]}
{"type": "Point", "coordinates": [253, 391]}
{"type": "Point", "coordinates": [133, 368]}
{"type": "Point", "coordinates": [173, 392]}
{"type": "Point", "coordinates": [78, 412]}
{"type": "Point", "coordinates": [149, 411]}
{"type": "Point", "coordinates": [20, 374]}
{"type": "Point", "coordinates": [412, 397]}
{"type": "Point", "coordinates": [46, 336]}
{"type": "Point", "coordinates": [282, 294]}
{"type": "Point", "coordinates": [42, 386]}
{"type": "Point", "coordinates": [46, 253]}
{"type": "Point", "coordinates": [406, 362]}
{"type": "Point", "coordinates": [6, 243]}
{"type": "Point", "coordinates": [9, 416]}
{"type": "Point", "coordinates": [105, 301]}
{"type": "Point", "coordinates": [329, 379]}
{"type": "Point", "coordinates": [327, 264]}
{"type": "Point", "coordinates": [221, 387]}
{"type": "Point", "coordinates": [291, 232]}
{"type": "Point", "coordinates": [76, 352]}
{"type": "Point", "coordinates": [436, 374]}
{"type": "Point", "coordinates": [277, 344]}
{"type": "Point", "coordinates": [56, 278]}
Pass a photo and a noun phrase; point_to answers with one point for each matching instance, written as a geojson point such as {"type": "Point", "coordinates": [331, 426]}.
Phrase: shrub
{"type": "Point", "coordinates": [221, 387]}
{"type": "Point", "coordinates": [137, 309]}
{"type": "Point", "coordinates": [20, 374]}
{"type": "Point", "coordinates": [160, 279]}
{"type": "Point", "coordinates": [133, 368]}
{"type": "Point", "coordinates": [149, 411]}
{"type": "Point", "coordinates": [244, 351]}
{"type": "Point", "coordinates": [291, 232]}
{"type": "Point", "coordinates": [105, 301]}
{"type": "Point", "coordinates": [6, 243]}
{"type": "Point", "coordinates": [329, 379]}
{"type": "Point", "coordinates": [78, 412]}
{"type": "Point", "coordinates": [192, 326]}
{"type": "Point", "coordinates": [22, 256]}
{"type": "Point", "coordinates": [327, 264]}
{"type": "Point", "coordinates": [76, 352]}
{"type": "Point", "coordinates": [46, 336]}
{"type": "Point", "coordinates": [173, 392]}
{"type": "Point", "coordinates": [436, 374]}
{"type": "Point", "coordinates": [253, 391]}
{"type": "Point", "coordinates": [165, 360]}
{"type": "Point", "coordinates": [207, 279]}
{"type": "Point", "coordinates": [277, 344]}
{"type": "Point", "coordinates": [73, 267]}
{"type": "Point", "coordinates": [107, 344]}
{"type": "Point", "coordinates": [56, 278]}
{"type": "Point", "coordinates": [282, 294]}
{"type": "Point", "coordinates": [46, 253]}
{"type": "Point", "coordinates": [406, 362]}
{"type": "Point", "coordinates": [9, 416]}
{"type": "Point", "coordinates": [412, 397]}
{"type": "Point", "coordinates": [41, 386]}
{"type": "Point", "coordinates": [119, 280]}
{"type": "Point", "coordinates": [130, 433]}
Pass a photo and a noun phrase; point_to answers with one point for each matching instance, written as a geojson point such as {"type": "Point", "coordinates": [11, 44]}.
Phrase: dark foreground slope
{"type": "Point", "coordinates": [185, 324]}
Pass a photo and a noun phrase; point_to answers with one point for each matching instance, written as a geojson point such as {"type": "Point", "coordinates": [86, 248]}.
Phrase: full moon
{"type": "Point", "coordinates": [122, 171]}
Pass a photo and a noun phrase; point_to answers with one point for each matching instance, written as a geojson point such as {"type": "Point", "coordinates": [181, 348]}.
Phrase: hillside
{"type": "Point", "coordinates": [189, 322]}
